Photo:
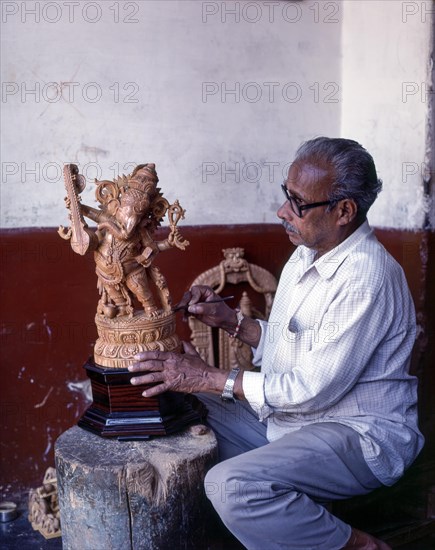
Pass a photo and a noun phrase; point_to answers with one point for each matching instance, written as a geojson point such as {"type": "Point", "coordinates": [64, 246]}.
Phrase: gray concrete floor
{"type": "Point", "coordinates": [19, 535]}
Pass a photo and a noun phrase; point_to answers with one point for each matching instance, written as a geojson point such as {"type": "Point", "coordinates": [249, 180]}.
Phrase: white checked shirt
{"type": "Point", "coordinates": [337, 348]}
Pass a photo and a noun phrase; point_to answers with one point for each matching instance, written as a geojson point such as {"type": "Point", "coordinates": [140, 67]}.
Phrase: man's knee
{"type": "Point", "coordinates": [230, 487]}
{"type": "Point", "coordinates": [215, 484]}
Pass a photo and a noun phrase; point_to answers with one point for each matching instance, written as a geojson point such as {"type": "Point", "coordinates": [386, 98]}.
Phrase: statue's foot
{"type": "Point", "coordinates": [109, 310]}
{"type": "Point", "coordinates": [125, 310]}
{"type": "Point", "coordinates": [151, 311]}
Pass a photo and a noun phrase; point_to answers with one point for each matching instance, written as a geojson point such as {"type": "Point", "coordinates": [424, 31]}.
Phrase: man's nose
{"type": "Point", "coordinates": [284, 211]}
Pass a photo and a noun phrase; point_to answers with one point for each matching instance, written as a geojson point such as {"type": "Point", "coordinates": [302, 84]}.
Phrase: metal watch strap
{"type": "Point", "coordinates": [228, 393]}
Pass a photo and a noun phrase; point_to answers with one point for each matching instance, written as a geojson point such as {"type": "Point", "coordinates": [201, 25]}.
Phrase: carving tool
{"type": "Point", "coordinates": [223, 299]}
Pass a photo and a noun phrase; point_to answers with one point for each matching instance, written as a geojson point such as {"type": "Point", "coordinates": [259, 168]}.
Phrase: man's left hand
{"type": "Point", "coordinates": [181, 372]}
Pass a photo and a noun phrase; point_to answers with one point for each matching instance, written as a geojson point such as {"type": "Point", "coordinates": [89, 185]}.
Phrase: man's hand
{"type": "Point", "coordinates": [216, 314]}
{"type": "Point", "coordinates": [181, 372]}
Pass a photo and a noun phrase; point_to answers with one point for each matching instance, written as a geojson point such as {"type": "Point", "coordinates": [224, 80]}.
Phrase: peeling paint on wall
{"type": "Point", "coordinates": [44, 401]}
{"type": "Point", "coordinates": [83, 387]}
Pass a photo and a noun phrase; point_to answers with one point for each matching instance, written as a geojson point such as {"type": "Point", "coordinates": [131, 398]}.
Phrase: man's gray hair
{"type": "Point", "coordinates": [354, 169]}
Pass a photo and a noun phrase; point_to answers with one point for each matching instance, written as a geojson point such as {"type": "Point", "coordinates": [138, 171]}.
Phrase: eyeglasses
{"type": "Point", "coordinates": [299, 208]}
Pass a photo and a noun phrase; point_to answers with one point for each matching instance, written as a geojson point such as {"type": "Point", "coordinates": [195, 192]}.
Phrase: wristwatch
{"type": "Point", "coordinates": [228, 393]}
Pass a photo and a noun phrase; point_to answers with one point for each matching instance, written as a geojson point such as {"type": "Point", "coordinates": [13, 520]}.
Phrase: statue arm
{"type": "Point", "coordinates": [164, 245]}
{"type": "Point", "coordinates": [174, 239]}
{"type": "Point", "coordinates": [150, 249]}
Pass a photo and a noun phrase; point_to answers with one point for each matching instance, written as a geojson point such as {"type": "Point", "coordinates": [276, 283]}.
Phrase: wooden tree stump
{"type": "Point", "coordinates": [134, 495]}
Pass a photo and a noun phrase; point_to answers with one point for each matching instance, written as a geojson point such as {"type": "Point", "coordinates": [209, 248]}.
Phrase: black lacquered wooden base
{"type": "Point", "coordinates": [120, 411]}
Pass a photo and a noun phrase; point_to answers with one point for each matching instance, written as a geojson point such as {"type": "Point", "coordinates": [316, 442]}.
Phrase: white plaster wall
{"type": "Point", "coordinates": [385, 80]}
{"type": "Point", "coordinates": [161, 62]}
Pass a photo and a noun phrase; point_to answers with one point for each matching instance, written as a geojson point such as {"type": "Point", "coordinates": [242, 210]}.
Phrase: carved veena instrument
{"type": "Point", "coordinates": [82, 238]}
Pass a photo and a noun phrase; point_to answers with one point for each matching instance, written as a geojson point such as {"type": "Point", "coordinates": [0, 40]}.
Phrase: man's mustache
{"type": "Point", "coordinates": [289, 227]}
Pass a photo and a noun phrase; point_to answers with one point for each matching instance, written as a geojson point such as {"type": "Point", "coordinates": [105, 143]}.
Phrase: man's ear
{"type": "Point", "coordinates": [347, 211]}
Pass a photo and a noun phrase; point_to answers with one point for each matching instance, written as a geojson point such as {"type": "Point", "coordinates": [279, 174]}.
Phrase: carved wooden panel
{"type": "Point", "coordinates": [227, 352]}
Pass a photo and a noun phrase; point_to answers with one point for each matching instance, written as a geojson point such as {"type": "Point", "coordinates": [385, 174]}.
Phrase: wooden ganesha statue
{"type": "Point", "coordinates": [131, 208]}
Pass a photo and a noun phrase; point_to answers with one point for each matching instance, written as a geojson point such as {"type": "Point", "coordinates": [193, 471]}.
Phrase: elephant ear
{"type": "Point", "coordinates": [159, 207]}
{"type": "Point", "coordinates": [106, 192]}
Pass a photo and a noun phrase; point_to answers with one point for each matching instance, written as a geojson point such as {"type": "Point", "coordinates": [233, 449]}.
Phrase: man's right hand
{"type": "Point", "coordinates": [216, 314]}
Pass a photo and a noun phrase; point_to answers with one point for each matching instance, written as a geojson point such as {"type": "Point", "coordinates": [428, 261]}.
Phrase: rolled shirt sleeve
{"type": "Point", "coordinates": [253, 382]}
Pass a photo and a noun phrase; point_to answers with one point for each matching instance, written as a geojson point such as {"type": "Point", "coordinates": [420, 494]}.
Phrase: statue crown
{"type": "Point", "coordinates": [143, 178]}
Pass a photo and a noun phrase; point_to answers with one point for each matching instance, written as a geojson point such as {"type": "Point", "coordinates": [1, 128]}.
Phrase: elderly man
{"type": "Point", "coordinates": [332, 414]}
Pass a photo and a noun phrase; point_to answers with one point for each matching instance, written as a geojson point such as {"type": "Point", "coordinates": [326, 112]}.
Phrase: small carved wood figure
{"type": "Point", "coordinates": [130, 210]}
{"type": "Point", "coordinates": [44, 512]}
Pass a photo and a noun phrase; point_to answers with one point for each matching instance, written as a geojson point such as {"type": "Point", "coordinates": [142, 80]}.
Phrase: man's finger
{"type": "Point", "coordinates": [153, 355]}
{"type": "Point", "coordinates": [203, 308]}
{"type": "Point", "coordinates": [189, 348]}
{"type": "Point", "coordinates": [156, 390]}
{"type": "Point", "coordinates": [184, 302]}
{"type": "Point", "coordinates": [200, 293]}
{"type": "Point", "coordinates": [146, 366]}
{"type": "Point", "coordinates": [197, 309]}
{"type": "Point", "coordinates": [150, 378]}
{"type": "Point", "coordinates": [187, 296]}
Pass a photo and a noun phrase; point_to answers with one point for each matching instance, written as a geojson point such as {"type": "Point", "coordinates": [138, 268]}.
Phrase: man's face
{"type": "Point", "coordinates": [317, 228]}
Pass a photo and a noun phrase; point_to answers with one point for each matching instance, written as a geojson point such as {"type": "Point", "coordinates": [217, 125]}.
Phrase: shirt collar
{"type": "Point", "coordinates": [328, 264]}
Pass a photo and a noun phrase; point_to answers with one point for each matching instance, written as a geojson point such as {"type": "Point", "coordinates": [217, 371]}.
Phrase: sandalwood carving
{"type": "Point", "coordinates": [234, 269]}
{"type": "Point", "coordinates": [131, 208]}
{"type": "Point", "coordinates": [44, 512]}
